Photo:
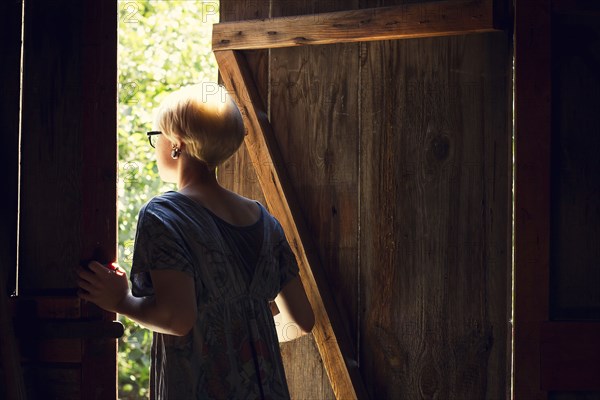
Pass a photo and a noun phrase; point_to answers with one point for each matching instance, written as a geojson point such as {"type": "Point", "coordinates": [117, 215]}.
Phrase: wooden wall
{"type": "Point", "coordinates": [67, 203]}
{"type": "Point", "coordinates": [399, 153]}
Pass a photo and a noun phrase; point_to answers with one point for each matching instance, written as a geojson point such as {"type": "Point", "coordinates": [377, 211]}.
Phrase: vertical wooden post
{"type": "Point", "coordinates": [68, 181]}
{"type": "Point", "coordinates": [10, 71]}
{"type": "Point", "coordinates": [532, 192]}
{"type": "Point", "coordinates": [99, 180]}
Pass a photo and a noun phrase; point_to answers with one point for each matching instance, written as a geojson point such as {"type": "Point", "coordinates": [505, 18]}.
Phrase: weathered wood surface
{"type": "Point", "coordinates": [333, 341]}
{"type": "Point", "coordinates": [237, 173]}
{"type": "Point", "coordinates": [532, 191]}
{"type": "Point", "coordinates": [51, 162]}
{"type": "Point", "coordinates": [434, 201]}
{"type": "Point", "coordinates": [68, 194]}
{"type": "Point", "coordinates": [68, 175]}
{"type": "Point", "coordinates": [10, 49]}
{"type": "Point", "coordinates": [304, 370]}
{"type": "Point", "coordinates": [301, 358]}
{"type": "Point", "coordinates": [409, 20]}
{"type": "Point", "coordinates": [99, 190]}
{"type": "Point", "coordinates": [313, 108]}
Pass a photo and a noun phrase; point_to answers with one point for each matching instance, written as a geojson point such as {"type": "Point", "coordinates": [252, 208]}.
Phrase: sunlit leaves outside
{"type": "Point", "coordinates": [163, 45]}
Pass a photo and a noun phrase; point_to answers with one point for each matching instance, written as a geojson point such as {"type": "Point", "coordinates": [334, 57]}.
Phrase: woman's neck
{"type": "Point", "coordinates": [195, 176]}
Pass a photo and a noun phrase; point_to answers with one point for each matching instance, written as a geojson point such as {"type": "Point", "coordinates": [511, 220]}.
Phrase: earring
{"type": "Point", "coordinates": [175, 152]}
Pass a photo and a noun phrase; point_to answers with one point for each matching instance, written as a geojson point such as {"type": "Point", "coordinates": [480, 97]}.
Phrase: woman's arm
{"type": "Point", "coordinates": [295, 317]}
{"type": "Point", "coordinates": [171, 310]}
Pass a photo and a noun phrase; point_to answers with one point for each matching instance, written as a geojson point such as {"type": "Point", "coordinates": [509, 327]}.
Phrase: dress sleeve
{"type": "Point", "coordinates": [157, 246]}
{"type": "Point", "coordinates": [288, 266]}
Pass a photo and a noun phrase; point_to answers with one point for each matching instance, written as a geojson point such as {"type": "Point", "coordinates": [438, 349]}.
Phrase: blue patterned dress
{"type": "Point", "coordinates": [232, 352]}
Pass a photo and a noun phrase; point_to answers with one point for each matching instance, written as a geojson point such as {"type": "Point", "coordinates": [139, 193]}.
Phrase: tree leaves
{"type": "Point", "coordinates": [163, 45]}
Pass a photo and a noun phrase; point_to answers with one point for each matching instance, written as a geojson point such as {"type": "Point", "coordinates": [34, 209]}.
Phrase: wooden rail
{"type": "Point", "coordinates": [441, 18]}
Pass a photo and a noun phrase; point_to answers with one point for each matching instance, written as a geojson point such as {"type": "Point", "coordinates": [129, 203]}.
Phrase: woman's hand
{"type": "Point", "coordinates": [104, 286]}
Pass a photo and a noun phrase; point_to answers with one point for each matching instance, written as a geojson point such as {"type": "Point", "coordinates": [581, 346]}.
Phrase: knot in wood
{"type": "Point", "coordinates": [440, 147]}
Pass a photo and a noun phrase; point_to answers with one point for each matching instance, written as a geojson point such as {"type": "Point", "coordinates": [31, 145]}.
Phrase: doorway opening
{"type": "Point", "coordinates": [162, 46]}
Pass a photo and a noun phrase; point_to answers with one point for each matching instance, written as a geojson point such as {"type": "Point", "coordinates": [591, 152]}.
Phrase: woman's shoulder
{"type": "Point", "coordinates": [163, 205]}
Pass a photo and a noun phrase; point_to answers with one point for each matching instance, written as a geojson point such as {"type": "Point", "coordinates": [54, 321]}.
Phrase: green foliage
{"type": "Point", "coordinates": [163, 45]}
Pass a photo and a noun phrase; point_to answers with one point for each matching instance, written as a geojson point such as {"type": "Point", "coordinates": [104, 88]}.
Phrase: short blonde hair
{"type": "Point", "coordinates": [205, 118]}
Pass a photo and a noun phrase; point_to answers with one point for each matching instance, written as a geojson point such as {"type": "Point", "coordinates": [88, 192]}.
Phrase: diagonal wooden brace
{"type": "Point", "coordinates": [333, 341]}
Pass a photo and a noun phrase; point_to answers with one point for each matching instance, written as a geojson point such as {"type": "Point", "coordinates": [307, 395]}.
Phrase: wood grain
{"type": "Point", "coordinates": [333, 342]}
{"type": "Point", "coordinates": [314, 114]}
{"type": "Point", "coordinates": [68, 191]}
{"type": "Point", "coordinates": [453, 94]}
{"type": "Point", "coordinates": [305, 373]}
{"type": "Point", "coordinates": [315, 120]}
{"type": "Point", "coordinates": [237, 173]}
{"type": "Point", "coordinates": [434, 212]}
{"type": "Point", "coordinates": [51, 163]}
{"type": "Point", "coordinates": [410, 20]}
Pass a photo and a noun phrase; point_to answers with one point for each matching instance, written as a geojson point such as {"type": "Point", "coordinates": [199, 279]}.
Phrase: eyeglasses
{"type": "Point", "coordinates": [153, 137]}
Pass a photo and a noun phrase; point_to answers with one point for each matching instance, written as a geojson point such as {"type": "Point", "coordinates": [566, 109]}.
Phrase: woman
{"type": "Point", "coordinates": [207, 263]}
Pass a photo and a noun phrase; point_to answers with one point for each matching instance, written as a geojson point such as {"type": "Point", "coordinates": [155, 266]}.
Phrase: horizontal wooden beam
{"type": "Point", "coordinates": [570, 355]}
{"type": "Point", "coordinates": [333, 342]}
{"type": "Point", "coordinates": [440, 18]}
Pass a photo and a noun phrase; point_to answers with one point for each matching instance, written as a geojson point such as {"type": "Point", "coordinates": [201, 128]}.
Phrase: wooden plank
{"type": "Point", "coordinates": [570, 356]}
{"type": "Point", "coordinates": [314, 115]}
{"type": "Point", "coordinates": [56, 381]}
{"type": "Point", "coordinates": [334, 344]}
{"type": "Point", "coordinates": [10, 68]}
{"type": "Point", "coordinates": [68, 211]}
{"type": "Point", "coordinates": [55, 307]}
{"type": "Point", "coordinates": [434, 212]}
{"type": "Point", "coordinates": [301, 358]}
{"type": "Point", "coordinates": [237, 173]}
{"type": "Point", "coordinates": [51, 202]}
{"type": "Point", "coordinates": [301, 367]}
{"type": "Point", "coordinates": [411, 20]}
{"type": "Point", "coordinates": [58, 350]}
{"type": "Point", "coordinates": [532, 192]}
{"type": "Point", "coordinates": [11, 374]}
{"type": "Point", "coordinates": [98, 184]}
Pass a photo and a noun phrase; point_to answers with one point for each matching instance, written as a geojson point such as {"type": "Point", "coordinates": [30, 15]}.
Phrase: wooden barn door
{"type": "Point", "coordinates": [398, 153]}
{"type": "Point", "coordinates": [557, 198]}
{"type": "Point", "coordinates": [67, 197]}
